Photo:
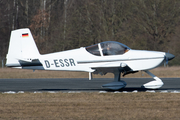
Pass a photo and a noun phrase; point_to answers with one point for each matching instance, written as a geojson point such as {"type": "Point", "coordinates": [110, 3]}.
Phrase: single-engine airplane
{"type": "Point", "coordinates": [105, 57]}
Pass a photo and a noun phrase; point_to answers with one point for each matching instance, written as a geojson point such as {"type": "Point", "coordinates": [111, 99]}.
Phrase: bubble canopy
{"type": "Point", "coordinates": [108, 48]}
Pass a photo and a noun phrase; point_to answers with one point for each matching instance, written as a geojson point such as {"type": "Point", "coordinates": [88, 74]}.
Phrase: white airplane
{"type": "Point", "coordinates": [105, 57]}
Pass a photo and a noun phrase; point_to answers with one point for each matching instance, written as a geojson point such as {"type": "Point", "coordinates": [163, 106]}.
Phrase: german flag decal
{"type": "Point", "coordinates": [25, 35]}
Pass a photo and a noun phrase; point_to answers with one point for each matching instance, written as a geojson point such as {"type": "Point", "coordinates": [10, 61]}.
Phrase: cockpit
{"type": "Point", "coordinates": [108, 48]}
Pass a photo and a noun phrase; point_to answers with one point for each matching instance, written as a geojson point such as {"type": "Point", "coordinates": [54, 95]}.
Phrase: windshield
{"type": "Point", "coordinates": [113, 48]}
{"type": "Point", "coordinates": [93, 49]}
{"type": "Point", "coordinates": [108, 48]}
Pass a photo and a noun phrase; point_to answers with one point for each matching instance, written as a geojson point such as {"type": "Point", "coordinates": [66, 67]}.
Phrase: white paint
{"type": "Point", "coordinates": [135, 91]}
{"type": "Point", "coordinates": [151, 91]}
{"type": "Point", "coordinates": [124, 92]}
{"type": "Point", "coordinates": [164, 91]}
{"type": "Point", "coordinates": [9, 92]}
{"type": "Point", "coordinates": [175, 91]}
{"type": "Point", "coordinates": [117, 92]}
{"type": "Point", "coordinates": [37, 92]}
{"type": "Point", "coordinates": [102, 91]}
{"type": "Point", "coordinates": [21, 92]}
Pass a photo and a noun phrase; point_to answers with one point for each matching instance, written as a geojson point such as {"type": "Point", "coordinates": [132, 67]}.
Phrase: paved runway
{"type": "Point", "coordinates": [80, 84]}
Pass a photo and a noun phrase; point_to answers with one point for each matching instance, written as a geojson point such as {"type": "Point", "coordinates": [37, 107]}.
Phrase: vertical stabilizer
{"type": "Point", "coordinates": [21, 47]}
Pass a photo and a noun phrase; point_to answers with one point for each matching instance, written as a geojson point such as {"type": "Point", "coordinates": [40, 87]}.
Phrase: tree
{"type": "Point", "coordinates": [156, 21]}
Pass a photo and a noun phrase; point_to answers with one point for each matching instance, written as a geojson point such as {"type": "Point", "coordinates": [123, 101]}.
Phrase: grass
{"type": "Point", "coordinates": [90, 106]}
{"type": "Point", "coordinates": [162, 72]}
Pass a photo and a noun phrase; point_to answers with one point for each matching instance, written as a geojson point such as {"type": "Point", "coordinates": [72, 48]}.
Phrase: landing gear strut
{"type": "Point", "coordinates": [117, 83]}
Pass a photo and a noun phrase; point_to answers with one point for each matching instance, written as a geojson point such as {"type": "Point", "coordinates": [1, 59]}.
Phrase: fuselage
{"type": "Point", "coordinates": [81, 60]}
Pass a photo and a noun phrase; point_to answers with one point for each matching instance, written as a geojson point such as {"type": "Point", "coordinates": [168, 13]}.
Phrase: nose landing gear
{"type": "Point", "coordinates": [155, 84]}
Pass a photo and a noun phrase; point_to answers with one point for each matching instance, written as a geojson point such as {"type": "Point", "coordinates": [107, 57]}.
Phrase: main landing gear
{"type": "Point", "coordinates": [117, 83]}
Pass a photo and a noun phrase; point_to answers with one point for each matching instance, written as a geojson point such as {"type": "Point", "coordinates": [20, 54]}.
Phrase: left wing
{"type": "Point", "coordinates": [124, 68]}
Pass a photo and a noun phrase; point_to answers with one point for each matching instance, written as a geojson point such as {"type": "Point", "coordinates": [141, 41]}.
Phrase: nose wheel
{"type": "Point", "coordinates": [155, 84]}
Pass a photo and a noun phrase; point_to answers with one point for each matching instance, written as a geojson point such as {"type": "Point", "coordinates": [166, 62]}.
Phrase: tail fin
{"type": "Point", "coordinates": [21, 47]}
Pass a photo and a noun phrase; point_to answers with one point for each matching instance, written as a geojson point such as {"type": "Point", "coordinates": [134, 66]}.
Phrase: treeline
{"type": "Point", "coordinates": [66, 24]}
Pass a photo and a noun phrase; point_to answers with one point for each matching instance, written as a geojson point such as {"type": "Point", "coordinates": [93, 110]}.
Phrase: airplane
{"type": "Point", "coordinates": [105, 57]}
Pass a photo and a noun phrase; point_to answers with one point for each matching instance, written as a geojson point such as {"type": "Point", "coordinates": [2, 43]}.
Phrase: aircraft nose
{"type": "Point", "coordinates": [169, 56]}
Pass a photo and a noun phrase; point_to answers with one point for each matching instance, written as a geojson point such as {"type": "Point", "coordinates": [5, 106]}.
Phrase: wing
{"type": "Point", "coordinates": [110, 68]}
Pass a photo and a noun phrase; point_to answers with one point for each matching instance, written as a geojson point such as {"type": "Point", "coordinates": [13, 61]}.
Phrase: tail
{"type": "Point", "coordinates": [22, 48]}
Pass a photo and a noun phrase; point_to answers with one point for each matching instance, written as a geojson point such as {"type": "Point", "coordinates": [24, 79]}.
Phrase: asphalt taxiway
{"type": "Point", "coordinates": [80, 84]}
